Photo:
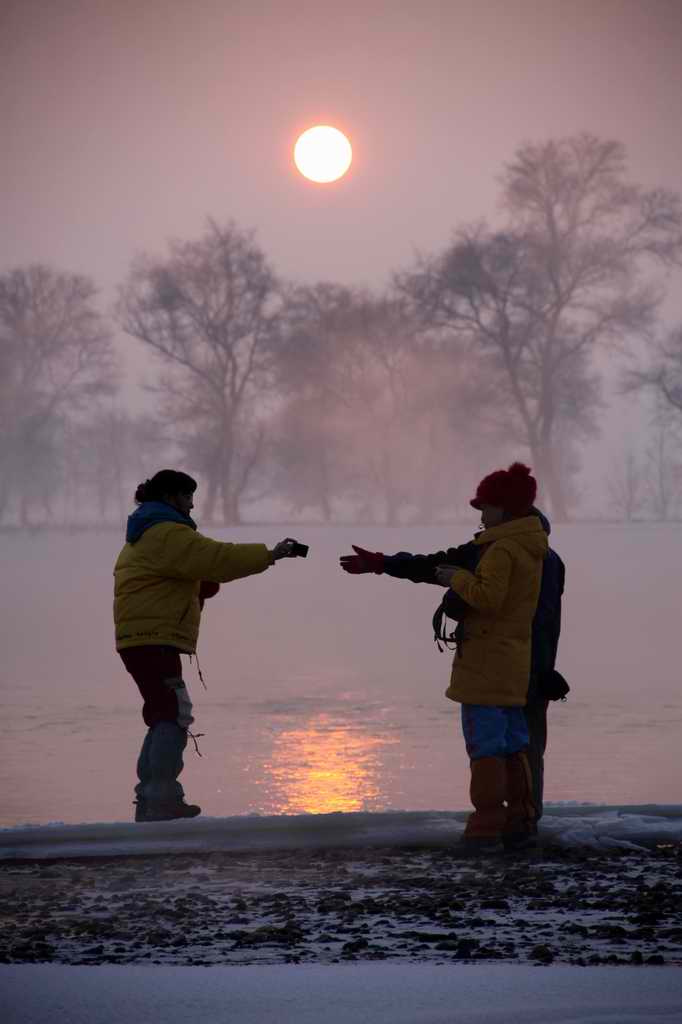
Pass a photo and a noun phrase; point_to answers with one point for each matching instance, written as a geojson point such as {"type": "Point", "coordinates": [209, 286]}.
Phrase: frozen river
{"type": "Point", "coordinates": [325, 692]}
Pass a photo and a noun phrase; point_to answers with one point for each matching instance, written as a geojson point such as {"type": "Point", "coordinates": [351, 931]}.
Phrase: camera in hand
{"type": "Point", "coordinates": [297, 550]}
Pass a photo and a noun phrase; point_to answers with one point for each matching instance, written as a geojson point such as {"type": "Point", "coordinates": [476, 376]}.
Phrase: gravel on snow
{"type": "Point", "coordinates": [310, 906]}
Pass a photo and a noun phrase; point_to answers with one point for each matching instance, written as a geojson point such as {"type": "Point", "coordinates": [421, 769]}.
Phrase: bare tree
{"type": "Point", "coordinates": [321, 380]}
{"type": "Point", "coordinates": [664, 462]}
{"type": "Point", "coordinates": [208, 312]}
{"type": "Point", "coordinates": [663, 376]}
{"type": "Point", "coordinates": [346, 372]}
{"type": "Point", "coordinates": [385, 407]}
{"type": "Point", "coordinates": [566, 275]}
{"type": "Point", "coordinates": [55, 359]}
{"type": "Point", "coordinates": [457, 427]}
{"type": "Point", "coordinates": [107, 454]}
{"type": "Point", "coordinates": [626, 484]}
{"type": "Point", "coordinates": [374, 413]}
{"type": "Point", "coordinates": [428, 424]}
{"type": "Point", "coordinates": [307, 456]}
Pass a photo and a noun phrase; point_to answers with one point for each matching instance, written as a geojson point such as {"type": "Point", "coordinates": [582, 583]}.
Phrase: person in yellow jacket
{"type": "Point", "coordinates": [491, 667]}
{"type": "Point", "coordinates": [163, 575]}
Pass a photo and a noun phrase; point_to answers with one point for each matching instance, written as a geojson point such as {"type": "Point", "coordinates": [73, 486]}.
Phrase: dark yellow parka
{"type": "Point", "coordinates": [157, 579]}
{"type": "Point", "coordinates": [492, 662]}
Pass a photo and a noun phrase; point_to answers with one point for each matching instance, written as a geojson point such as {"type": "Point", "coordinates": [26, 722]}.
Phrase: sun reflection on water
{"type": "Point", "coordinates": [324, 766]}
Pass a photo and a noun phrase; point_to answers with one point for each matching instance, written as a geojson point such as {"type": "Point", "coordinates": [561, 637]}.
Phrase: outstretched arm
{"type": "Point", "coordinates": [185, 554]}
{"type": "Point", "coordinates": [406, 566]}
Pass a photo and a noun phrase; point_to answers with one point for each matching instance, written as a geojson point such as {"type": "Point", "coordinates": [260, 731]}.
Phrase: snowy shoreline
{"type": "Point", "coordinates": [343, 917]}
{"type": "Point", "coordinates": [346, 888]}
{"type": "Point", "coordinates": [580, 825]}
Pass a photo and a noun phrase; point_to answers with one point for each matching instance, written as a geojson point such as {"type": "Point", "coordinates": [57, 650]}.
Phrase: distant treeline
{"type": "Point", "coordinates": [343, 403]}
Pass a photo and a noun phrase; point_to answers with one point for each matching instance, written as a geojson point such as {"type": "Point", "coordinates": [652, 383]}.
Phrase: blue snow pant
{"type": "Point", "coordinates": [167, 711]}
{"type": "Point", "coordinates": [493, 731]}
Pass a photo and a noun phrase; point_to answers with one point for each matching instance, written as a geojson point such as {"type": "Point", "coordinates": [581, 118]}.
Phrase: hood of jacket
{"type": "Point", "coordinates": [149, 514]}
{"type": "Point", "coordinates": [546, 525]}
{"type": "Point", "coordinates": [528, 532]}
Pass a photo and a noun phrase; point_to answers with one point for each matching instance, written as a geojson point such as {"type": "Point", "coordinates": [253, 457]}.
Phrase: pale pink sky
{"type": "Point", "coordinates": [127, 122]}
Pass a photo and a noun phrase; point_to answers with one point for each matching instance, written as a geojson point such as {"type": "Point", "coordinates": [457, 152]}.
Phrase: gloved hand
{"type": "Point", "coordinates": [363, 561]}
{"type": "Point", "coordinates": [281, 550]}
{"type": "Point", "coordinates": [207, 589]}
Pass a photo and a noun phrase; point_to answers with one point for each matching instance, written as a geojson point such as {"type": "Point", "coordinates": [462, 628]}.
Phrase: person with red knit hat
{"type": "Point", "coordinates": [494, 582]}
{"type": "Point", "coordinates": [491, 668]}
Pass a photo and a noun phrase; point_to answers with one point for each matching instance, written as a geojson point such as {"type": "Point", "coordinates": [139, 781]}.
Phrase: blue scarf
{"type": "Point", "coordinates": [149, 514]}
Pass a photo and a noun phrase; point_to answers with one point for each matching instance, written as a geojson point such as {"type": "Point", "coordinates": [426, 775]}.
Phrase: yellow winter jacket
{"type": "Point", "coordinates": [492, 662]}
{"type": "Point", "coordinates": [156, 589]}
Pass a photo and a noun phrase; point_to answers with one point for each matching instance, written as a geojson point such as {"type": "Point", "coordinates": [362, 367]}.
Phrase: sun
{"type": "Point", "coordinates": [323, 154]}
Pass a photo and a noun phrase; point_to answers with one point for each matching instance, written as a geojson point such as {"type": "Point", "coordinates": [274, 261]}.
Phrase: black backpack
{"type": "Point", "coordinates": [451, 607]}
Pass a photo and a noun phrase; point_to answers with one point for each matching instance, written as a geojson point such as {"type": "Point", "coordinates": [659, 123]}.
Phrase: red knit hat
{"type": "Point", "coordinates": [512, 489]}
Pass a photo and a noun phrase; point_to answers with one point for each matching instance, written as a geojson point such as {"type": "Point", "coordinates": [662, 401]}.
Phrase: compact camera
{"type": "Point", "coordinates": [298, 550]}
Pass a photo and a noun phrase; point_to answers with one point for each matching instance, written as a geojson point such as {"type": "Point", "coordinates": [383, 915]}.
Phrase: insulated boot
{"type": "Point", "coordinates": [167, 811]}
{"type": "Point", "coordinates": [520, 827]}
{"type": "Point", "coordinates": [488, 789]}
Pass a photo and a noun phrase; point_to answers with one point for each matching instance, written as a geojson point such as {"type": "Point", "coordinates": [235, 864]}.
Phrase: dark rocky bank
{"type": "Point", "coordinates": [545, 906]}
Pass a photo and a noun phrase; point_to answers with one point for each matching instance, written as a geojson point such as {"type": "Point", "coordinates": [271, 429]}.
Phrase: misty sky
{"type": "Point", "coordinates": [127, 122]}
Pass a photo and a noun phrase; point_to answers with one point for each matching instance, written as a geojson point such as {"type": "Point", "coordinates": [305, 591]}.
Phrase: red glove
{"type": "Point", "coordinates": [363, 561]}
{"type": "Point", "coordinates": [207, 589]}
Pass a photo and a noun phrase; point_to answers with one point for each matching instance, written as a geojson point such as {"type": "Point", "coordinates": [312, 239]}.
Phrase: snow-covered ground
{"type": "Point", "coordinates": [343, 994]}
{"type": "Point", "coordinates": [603, 886]}
{"type": "Point", "coordinates": [349, 918]}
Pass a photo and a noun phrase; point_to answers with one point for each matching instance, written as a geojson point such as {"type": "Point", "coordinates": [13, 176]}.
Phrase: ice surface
{"type": "Point", "coordinates": [339, 994]}
{"type": "Point", "coordinates": [570, 825]}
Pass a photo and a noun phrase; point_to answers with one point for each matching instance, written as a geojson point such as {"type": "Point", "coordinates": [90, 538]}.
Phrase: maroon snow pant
{"type": "Point", "coordinates": [150, 667]}
{"type": "Point", "coordinates": [158, 673]}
